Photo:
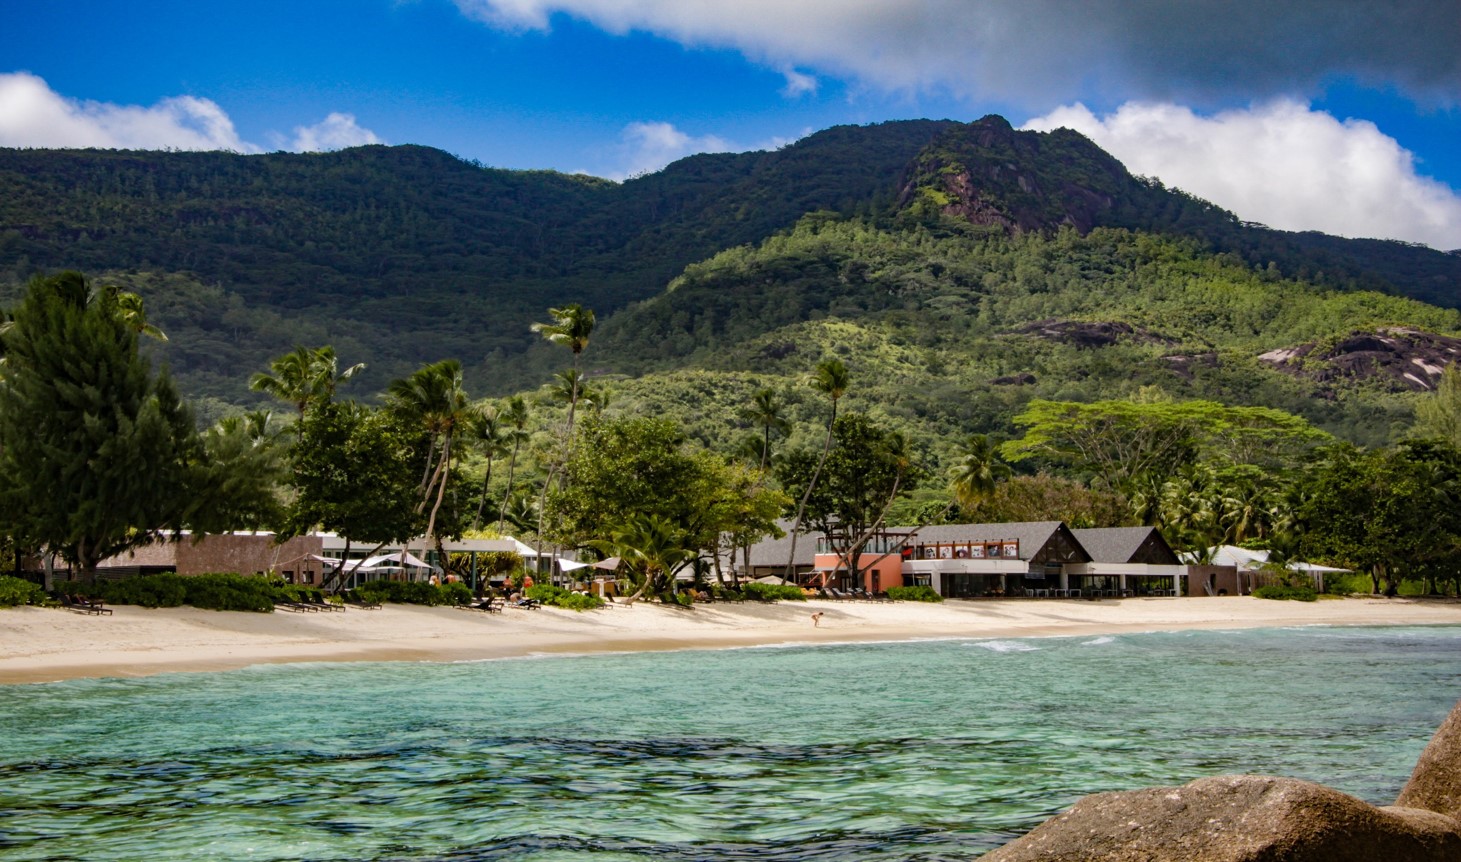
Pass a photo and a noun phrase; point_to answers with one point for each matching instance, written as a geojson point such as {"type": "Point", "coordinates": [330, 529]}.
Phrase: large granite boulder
{"type": "Point", "coordinates": [1256, 818]}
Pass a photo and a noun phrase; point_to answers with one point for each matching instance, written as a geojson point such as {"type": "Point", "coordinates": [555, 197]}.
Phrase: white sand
{"type": "Point", "coordinates": [39, 645]}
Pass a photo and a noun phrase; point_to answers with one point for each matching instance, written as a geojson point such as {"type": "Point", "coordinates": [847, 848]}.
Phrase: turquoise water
{"type": "Point", "coordinates": [922, 751]}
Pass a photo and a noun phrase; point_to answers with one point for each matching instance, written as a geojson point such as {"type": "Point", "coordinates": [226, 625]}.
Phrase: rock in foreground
{"type": "Point", "coordinates": [1255, 818]}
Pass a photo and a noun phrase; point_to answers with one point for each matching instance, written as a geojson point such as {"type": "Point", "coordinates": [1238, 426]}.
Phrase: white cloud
{"type": "Point", "coordinates": [647, 147]}
{"type": "Point", "coordinates": [34, 115]}
{"type": "Point", "coordinates": [1280, 163]}
{"type": "Point", "coordinates": [797, 83]}
{"type": "Point", "coordinates": [1042, 52]}
{"type": "Point", "coordinates": [334, 132]}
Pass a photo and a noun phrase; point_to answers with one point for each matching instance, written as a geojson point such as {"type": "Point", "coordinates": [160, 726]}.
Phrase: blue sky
{"type": "Point", "coordinates": [1336, 115]}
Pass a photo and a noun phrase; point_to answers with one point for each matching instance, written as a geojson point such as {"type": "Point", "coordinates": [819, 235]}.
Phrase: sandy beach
{"type": "Point", "coordinates": [42, 645]}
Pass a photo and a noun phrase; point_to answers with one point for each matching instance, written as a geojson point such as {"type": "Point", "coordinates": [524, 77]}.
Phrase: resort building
{"type": "Point", "coordinates": [307, 559]}
{"type": "Point", "coordinates": [1035, 559]}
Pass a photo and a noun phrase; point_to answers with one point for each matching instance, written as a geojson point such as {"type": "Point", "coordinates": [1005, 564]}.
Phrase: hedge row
{"type": "Point", "coordinates": [17, 591]}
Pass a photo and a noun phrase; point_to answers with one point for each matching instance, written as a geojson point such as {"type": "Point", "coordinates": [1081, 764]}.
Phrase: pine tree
{"type": "Point", "coordinates": [95, 450]}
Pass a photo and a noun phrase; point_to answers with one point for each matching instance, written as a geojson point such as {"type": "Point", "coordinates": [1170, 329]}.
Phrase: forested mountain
{"type": "Point", "coordinates": [960, 270]}
{"type": "Point", "coordinates": [407, 251]}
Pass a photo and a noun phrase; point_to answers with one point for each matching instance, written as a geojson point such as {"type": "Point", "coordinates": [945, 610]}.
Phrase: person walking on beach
{"type": "Point", "coordinates": [817, 619]}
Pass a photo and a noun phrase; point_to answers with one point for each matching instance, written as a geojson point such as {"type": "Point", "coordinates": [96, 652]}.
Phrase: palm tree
{"type": "Point", "coordinates": [512, 415]}
{"type": "Point", "coordinates": [304, 377]}
{"type": "Point", "coordinates": [652, 544]}
{"type": "Point", "coordinates": [572, 324]}
{"type": "Point", "coordinates": [433, 395]}
{"type": "Point", "coordinates": [831, 379]}
{"type": "Point", "coordinates": [486, 432]}
{"type": "Point", "coordinates": [766, 411]}
{"type": "Point", "coordinates": [977, 471]}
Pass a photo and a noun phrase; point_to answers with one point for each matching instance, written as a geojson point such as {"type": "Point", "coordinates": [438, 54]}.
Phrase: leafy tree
{"type": "Point", "coordinates": [1383, 512]}
{"type": "Point", "coordinates": [1439, 414]}
{"type": "Point", "coordinates": [238, 479]}
{"type": "Point", "coordinates": [1044, 497]}
{"type": "Point", "coordinates": [304, 377]}
{"type": "Point", "coordinates": [1121, 442]}
{"type": "Point", "coordinates": [96, 451]}
{"type": "Point", "coordinates": [866, 470]}
{"type": "Point", "coordinates": [623, 467]}
{"type": "Point", "coordinates": [352, 473]}
{"type": "Point", "coordinates": [831, 379]}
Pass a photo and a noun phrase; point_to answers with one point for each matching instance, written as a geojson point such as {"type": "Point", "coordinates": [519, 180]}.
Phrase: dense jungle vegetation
{"type": "Point", "coordinates": [961, 280]}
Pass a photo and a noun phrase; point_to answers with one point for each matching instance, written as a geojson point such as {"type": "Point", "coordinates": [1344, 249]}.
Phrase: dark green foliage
{"type": "Point", "coordinates": [558, 597]}
{"type": "Point", "coordinates": [226, 591]}
{"type": "Point", "coordinates": [773, 592]}
{"type": "Point", "coordinates": [149, 591]}
{"type": "Point", "coordinates": [399, 253]}
{"type": "Point", "coordinates": [455, 593]}
{"type": "Point", "coordinates": [340, 242]}
{"type": "Point", "coordinates": [96, 451]}
{"type": "Point", "coordinates": [914, 594]}
{"type": "Point", "coordinates": [1278, 591]}
{"type": "Point", "coordinates": [16, 591]}
{"type": "Point", "coordinates": [415, 593]}
{"type": "Point", "coordinates": [219, 591]}
{"type": "Point", "coordinates": [356, 472]}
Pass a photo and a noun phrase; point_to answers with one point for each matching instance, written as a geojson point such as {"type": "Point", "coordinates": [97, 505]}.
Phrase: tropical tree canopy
{"type": "Point", "coordinates": [98, 455]}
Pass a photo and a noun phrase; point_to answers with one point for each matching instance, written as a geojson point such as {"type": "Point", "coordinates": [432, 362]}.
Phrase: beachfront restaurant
{"type": "Point", "coordinates": [995, 560]}
{"type": "Point", "coordinates": [1037, 559]}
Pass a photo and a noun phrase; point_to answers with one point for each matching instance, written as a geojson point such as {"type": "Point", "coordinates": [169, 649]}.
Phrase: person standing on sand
{"type": "Point", "coordinates": [817, 620]}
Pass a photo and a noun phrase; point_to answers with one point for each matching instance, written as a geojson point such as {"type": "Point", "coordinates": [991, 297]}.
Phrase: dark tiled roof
{"type": "Point", "coordinates": [1040, 541]}
{"type": "Point", "coordinates": [772, 552]}
{"type": "Point", "coordinates": [1125, 545]}
{"type": "Point", "coordinates": [1032, 535]}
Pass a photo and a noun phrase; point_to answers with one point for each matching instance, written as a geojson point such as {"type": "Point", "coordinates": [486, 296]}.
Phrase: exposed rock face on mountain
{"type": "Point", "coordinates": [1089, 334]}
{"type": "Point", "coordinates": [987, 173]}
{"type": "Point", "coordinates": [1254, 818]}
{"type": "Point", "coordinates": [1401, 359]}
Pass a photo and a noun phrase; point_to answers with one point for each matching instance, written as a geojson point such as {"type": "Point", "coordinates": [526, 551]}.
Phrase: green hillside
{"type": "Point", "coordinates": [960, 270]}
{"type": "Point", "coordinates": [956, 333]}
{"type": "Point", "coordinates": [411, 252]}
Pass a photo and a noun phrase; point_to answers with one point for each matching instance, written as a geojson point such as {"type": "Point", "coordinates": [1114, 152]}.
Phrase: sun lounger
{"type": "Point", "coordinates": [316, 599]}
{"type": "Point", "coordinates": [353, 599]}
{"type": "Point", "coordinates": [486, 605]}
{"type": "Point", "coordinates": [83, 605]}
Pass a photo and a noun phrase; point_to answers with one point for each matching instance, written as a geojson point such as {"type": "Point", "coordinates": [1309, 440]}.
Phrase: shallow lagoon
{"type": "Point", "coordinates": [912, 751]}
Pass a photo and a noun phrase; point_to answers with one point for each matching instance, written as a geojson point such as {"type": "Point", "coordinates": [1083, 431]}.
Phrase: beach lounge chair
{"type": "Point", "coordinates": [316, 599]}
{"type": "Point", "coordinates": [83, 605]}
{"type": "Point", "coordinates": [353, 599]}
{"type": "Point", "coordinates": [487, 605]}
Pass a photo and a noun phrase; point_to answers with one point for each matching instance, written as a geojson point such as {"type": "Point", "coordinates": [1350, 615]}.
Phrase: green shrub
{"type": "Point", "coordinates": [773, 592]}
{"type": "Point", "coordinates": [228, 591]}
{"type": "Point", "coordinates": [455, 593]}
{"type": "Point", "coordinates": [17, 591]}
{"type": "Point", "coordinates": [415, 593]}
{"type": "Point", "coordinates": [561, 598]}
{"type": "Point", "coordinates": [914, 594]}
{"type": "Point", "coordinates": [682, 599]}
{"type": "Point", "coordinates": [1301, 594]}
{"type": "Point", "coordinates": [165, 590]}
